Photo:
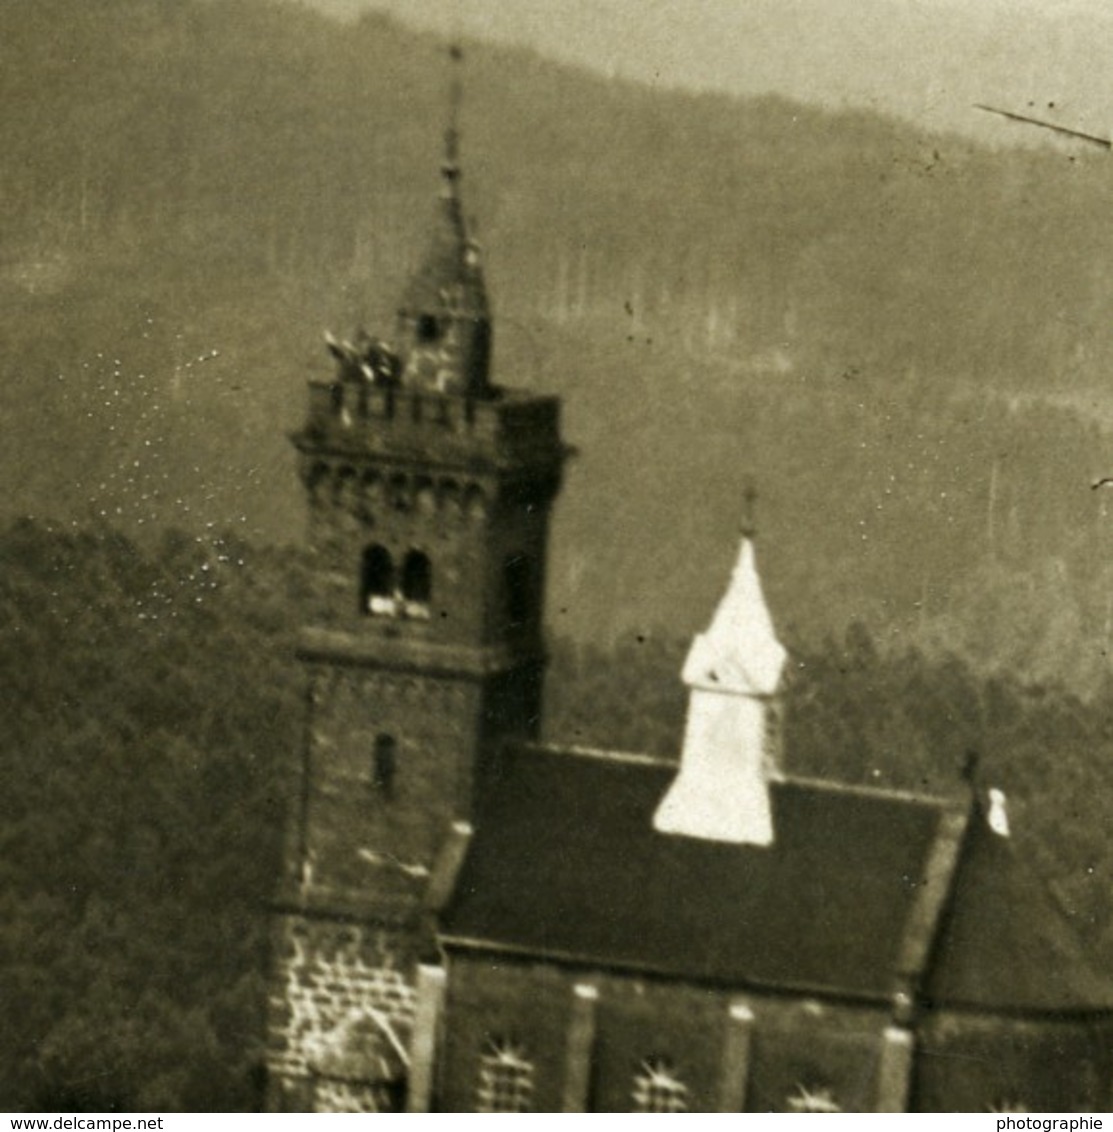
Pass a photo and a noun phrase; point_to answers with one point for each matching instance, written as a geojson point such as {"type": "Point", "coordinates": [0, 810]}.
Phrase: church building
{"type": "Point", "coordinates": [469, 920]}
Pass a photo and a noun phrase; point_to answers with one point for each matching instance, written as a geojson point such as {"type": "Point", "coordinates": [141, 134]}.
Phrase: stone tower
{"type": "Point", "coordinates": [429, 491]}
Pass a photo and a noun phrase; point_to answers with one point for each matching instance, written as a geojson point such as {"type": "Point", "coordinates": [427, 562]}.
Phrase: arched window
{"type": "Point", "coordinates": [519, 582]}
{"type": "Point", "coordinates": [376, 593]}
{"type": "Point", "coordinates": [385, 764]}
{"type": "Point", "coordinates": [657, 1088]}
{"type": "Point", "coordinates": [417, 583]}
{"type": "Point", "coordinates": [358, 1063]}
{"type": "Point", "coordinates": [505, 1078]}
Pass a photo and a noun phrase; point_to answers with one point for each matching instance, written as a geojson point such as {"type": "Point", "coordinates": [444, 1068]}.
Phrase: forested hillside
{"type": "Point", "coordinates": [149, 733]}
{"type": "Point", "coordinates": [901, 337]}
{"type": "Point", "coordinates": [149, 713]}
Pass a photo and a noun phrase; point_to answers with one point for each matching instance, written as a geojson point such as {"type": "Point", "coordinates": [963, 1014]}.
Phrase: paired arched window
{"type": "Point", "coordinates": [384, 766]}
{"type": "Point", "coordinates": [505, 1078]}
{"type": "Point", "coordinates": [377, 581]}
{"type": "Point", "coordinates": [417, 578]}
{"type": "Point", "coordinates": [657, 1088]}
{"type": "Point", "coordinates": [387, 592]}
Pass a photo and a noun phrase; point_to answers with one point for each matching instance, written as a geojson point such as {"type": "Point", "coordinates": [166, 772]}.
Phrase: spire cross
{"type": "Point", "coordinates": [749, 506]}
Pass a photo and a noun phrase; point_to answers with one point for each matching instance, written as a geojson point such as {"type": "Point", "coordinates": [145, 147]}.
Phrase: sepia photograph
{"type": "Point", "coordinates": [557, 557]}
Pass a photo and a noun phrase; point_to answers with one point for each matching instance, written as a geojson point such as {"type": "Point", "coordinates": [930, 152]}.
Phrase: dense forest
{"type": "Point", "coordinates": [901, 338]}
{"type": "Point", "coordinates": [149, 733]}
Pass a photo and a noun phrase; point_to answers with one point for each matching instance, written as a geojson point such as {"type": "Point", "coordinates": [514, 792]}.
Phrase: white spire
{"type": "Point", "coordinates": [734, 669]}
{"type": "Point", "coordinates": [739, 652]}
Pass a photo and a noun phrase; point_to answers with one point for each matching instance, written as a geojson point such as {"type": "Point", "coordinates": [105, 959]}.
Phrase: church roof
{"type": "Point", "coordinates": [565, 864]}
{"type": "Point", "coordinates": [1005, 944]}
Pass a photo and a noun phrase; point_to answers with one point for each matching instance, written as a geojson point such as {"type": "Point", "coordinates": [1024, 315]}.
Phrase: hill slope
{"type": "Point", "coordinates": [926, 60]}
{"type": "Point", "coordinates": [864, 319]}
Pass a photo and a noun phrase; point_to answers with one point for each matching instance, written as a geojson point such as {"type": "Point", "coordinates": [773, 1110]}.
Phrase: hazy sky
{"type": "Point", "coordinates": [925, 59]}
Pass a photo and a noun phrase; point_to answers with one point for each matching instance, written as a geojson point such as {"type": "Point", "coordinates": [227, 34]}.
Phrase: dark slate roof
{"type": "Point", "coordinates": [565, 862]}
{"type": "Point", "coordinates": [450, 278]}
{"type": "Point", "coordinates": [1005, 944]}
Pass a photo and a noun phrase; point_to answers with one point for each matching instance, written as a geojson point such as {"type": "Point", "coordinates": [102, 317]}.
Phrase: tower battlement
{"type": "Point", "coordinates": [365, 419]}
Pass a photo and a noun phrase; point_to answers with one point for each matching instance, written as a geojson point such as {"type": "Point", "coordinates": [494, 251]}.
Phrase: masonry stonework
{"type": "Point", "coordinates": [341, 1012]}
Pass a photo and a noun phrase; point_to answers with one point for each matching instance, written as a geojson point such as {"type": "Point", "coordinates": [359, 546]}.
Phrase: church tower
{"type": "Point", "coordinates": [429, 490]}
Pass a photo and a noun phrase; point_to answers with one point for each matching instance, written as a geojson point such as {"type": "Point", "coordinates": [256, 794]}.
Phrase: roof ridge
{"type": "Point", "coordinates": [939, 801]}
{"type": "Point", "coordinates": [629, 758]}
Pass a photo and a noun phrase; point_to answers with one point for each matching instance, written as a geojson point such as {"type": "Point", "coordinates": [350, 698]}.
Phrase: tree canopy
{"type": "Point", "coordinates": [150, 735]}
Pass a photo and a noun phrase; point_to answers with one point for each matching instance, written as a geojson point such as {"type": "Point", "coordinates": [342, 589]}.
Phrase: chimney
{"type": "Point", "coordinates": [732, 739]}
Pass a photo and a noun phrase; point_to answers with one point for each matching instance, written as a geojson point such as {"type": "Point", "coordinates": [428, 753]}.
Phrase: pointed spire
{"type": "Point", "coordinates": [450, 166]}
{"type": "Point", "coordinates": [444, 326]}
{"type": "Point", "coordinates": [740, 651]}
{"type": "Point", "coordinates": [732, 736]}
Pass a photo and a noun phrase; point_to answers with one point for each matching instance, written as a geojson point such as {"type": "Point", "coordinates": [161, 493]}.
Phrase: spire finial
{"type": "Point", "coordinates": [450, 168]}
{"type": "Point", "coordinates": [749, 507]}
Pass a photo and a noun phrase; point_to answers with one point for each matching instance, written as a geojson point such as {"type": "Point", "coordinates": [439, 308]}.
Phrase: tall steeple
{"type": "Point", "coordinates": [732, 738]}
{"type": "Point", "coordinates": [444, 320]}
{"type": "Point", "coordinates": [429, 495]}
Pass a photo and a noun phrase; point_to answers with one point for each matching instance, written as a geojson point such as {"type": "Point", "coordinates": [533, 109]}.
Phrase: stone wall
{"type": "Point", "coordinates": [969, 1062]}
{"type": "Point", "coordinates": [522, 1004]}
{"type": "Point", "coordinates": [340, 1017]}
{"type": "Point", "coordinates": [590, 1035]}
{"type": "Point", "coordinates": [359, 837]}
{"type": "Point", "coordinates": [728, 1051]}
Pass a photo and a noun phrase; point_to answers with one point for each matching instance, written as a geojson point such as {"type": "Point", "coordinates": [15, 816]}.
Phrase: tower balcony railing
{"type": "Point", "coordinates": [515, 424]}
